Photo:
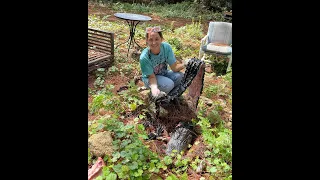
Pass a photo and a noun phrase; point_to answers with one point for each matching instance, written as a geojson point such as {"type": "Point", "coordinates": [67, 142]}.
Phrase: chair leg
{"type": "Point", "coordinates": [229, 64]}
{"type": "Point", "coordinates": [200, 54]}
{"type": "Point", "coordinates": [203, 56]}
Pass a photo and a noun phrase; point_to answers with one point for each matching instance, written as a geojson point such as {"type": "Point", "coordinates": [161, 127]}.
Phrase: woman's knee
{"type": "Point", "coordinates": [166, 86]}
{"type": "Point", "coordinates": [177, 77]}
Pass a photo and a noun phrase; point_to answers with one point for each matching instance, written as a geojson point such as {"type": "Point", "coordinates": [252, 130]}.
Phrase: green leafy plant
{"type": "Point", "coordinates": [166, 10]}
{"type": "Point", "coordinates": [106, 99]}
{"type": "Point", "coordinates": [113, 70]}
{"type": "Point", "coordinates": [219, 64]}
{"type": "Point", "coordinates": [219, 153]}
{"type": "Point", "coordinates": [175, 161]}
{"type": "Point", "coordinates": [89, 157]}
{"type": "Point", "coordinates": [131, 96]}
{"type": "Point", "coordinates": [211, 90]}
{"type": "Point", "coordinates": [193, 30]}
{"type": "Point", "coordinates": [176, 42]}
{"type": "Point", "coordinates": [131, 159]}
{"type": "Point", "coordinates": [100, 74]}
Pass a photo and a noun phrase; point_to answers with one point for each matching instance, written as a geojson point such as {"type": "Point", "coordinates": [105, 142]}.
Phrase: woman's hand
{"type": "Point", "coordinates": [185, 62]}
{"type": "Point", "coordinates": [153, 85]}
{"type": "Point", "coordinates": [154, 90]}
{"type": "Point", "coordinates": [175, 67]}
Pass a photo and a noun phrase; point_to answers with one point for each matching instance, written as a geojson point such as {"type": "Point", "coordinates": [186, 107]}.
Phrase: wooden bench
{"type": "Point", "coordinates": [100, 49]}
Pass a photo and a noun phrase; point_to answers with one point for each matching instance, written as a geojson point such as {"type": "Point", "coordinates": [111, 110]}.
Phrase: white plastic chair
{"type": "Point", "coordinates": [218, 41]}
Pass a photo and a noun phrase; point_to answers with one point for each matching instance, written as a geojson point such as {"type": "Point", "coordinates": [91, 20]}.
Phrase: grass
{"type": "Point", "coordinates": [177, 10]}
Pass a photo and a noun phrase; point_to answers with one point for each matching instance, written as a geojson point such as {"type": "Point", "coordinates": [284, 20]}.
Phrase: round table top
{"type": "Point", "coordinates": [133, 17]}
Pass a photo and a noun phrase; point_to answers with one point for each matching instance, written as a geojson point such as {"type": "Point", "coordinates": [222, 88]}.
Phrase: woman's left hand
{"type": "Point", "coordinates": [185, 62]}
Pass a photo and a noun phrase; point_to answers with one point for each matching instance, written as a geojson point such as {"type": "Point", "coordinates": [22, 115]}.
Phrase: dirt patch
{"type": "Point", "coordinates": [117, 81]}
{"type": "Point", "coordinates": [197, 149]}
{"type": "Point", "coordinates": [177, 111]}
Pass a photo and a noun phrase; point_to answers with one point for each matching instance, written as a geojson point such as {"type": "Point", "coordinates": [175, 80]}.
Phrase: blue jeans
{"type": "Point", "coordinates": [167, 81]}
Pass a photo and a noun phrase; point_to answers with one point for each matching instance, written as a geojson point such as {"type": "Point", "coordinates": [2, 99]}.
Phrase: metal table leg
{"type": "Point", "coordinates": [132, 26]}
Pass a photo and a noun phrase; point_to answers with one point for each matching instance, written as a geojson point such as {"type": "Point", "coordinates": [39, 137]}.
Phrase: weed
{"type": "Point", "coordinates": [100, 74]}
{"type": "Point", "coordinates": [219, 153]}
{"type": "Point", "coordinates": [169, 10]}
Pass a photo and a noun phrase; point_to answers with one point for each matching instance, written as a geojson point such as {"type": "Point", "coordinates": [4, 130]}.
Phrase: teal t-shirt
{"type": "Point", "coordinates": [157, 64]}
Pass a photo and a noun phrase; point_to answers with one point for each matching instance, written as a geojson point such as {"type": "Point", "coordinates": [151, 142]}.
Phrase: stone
{"type": "Point", "coordinates": [142, 88]}
{"type": "Point", "coordinates": [229, 124]}
{"type": "Point", "coordinates": [222, 103]}
{"type": "Point", "coordinates": [102, 112]}
{"type": "Point", "coordinates": [100, 144]}
{"type": "Point", "coordinates": [208, 68]}
{"type": "Point", "coordinates": [163, 112]}
{"type": "Point", "coordinates": [145, 93]}
{"type": "Point", "coordinates": [207, 101]}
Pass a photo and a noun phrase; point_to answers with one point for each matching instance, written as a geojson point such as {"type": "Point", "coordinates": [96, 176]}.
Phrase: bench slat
{"type": "Point", "coordinates": [98, 59]}
{"type": "Point", "coordinates": [98, 36]}
{"type": "Point", "coordinates": [100, 31]}
{"type": "Point", "coordinates": [103, 42]}
{"type": "Point", "coordinates": [99, 41]}
{"type": "Point", "coordinates": [100, 49]}
{"type": "Point", "coordinates": [105, 47]}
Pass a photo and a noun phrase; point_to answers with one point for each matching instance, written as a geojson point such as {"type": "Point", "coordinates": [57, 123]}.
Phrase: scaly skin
{"type": "Point", "coordinates": [193, 79]}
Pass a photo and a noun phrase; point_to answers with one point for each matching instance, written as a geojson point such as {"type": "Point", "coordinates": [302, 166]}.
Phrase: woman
{"type": "Point", "coordinates": [154, 60]}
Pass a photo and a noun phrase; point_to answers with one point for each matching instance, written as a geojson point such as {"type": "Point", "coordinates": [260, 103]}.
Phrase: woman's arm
{"type": "Point", "coordinates": [152, 79]}
{"type": "Point", "coordinates": [175, 67]}
{"type": "Point", "coordinates": [153, 84]}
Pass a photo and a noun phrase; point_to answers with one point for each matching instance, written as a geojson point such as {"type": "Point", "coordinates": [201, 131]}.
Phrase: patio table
{"type": "Point", "coordinates": [133, 20]}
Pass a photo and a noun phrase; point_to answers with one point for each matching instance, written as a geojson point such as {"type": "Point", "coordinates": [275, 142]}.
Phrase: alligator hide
{"type": "Point", "coordinates": [193, 80]}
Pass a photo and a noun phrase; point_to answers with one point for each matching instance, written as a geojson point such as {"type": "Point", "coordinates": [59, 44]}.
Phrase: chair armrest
{"type": "Point", "coordinates": [204, 41]}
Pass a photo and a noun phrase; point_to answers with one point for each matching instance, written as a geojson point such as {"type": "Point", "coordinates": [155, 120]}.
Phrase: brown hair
{"type": "Point", "coordinates": [147, 35]}
{"type": "Point", "coordinates": [160, 34]}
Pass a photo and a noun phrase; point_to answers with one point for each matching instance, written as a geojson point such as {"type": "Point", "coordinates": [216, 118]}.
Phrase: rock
{"type": "Point", "coordinates": [163, 112]}
{"type": "Point", "coordinates": [197, 129]}
{"type": "Point", "coordinates": [100, 144]}
{"type": "Point", "coordinates": [207, 101]}
{"type": "Point", "coordinates": [222, 103]}
{"type": "Point", "coordinates": [102, 112]}
{"type": "Point", "coordinates": [229, 124]}
{"type": "Point", "coordinates": [145, 93]}
{"type": "Point", "coordinates": [208, 68]}
{"type": "Point", "coordinates": [152, 108]}
{"type": "Point", "coordinates": [142, 88]}
{"type": "Point", "coordinates": [200, 167]}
